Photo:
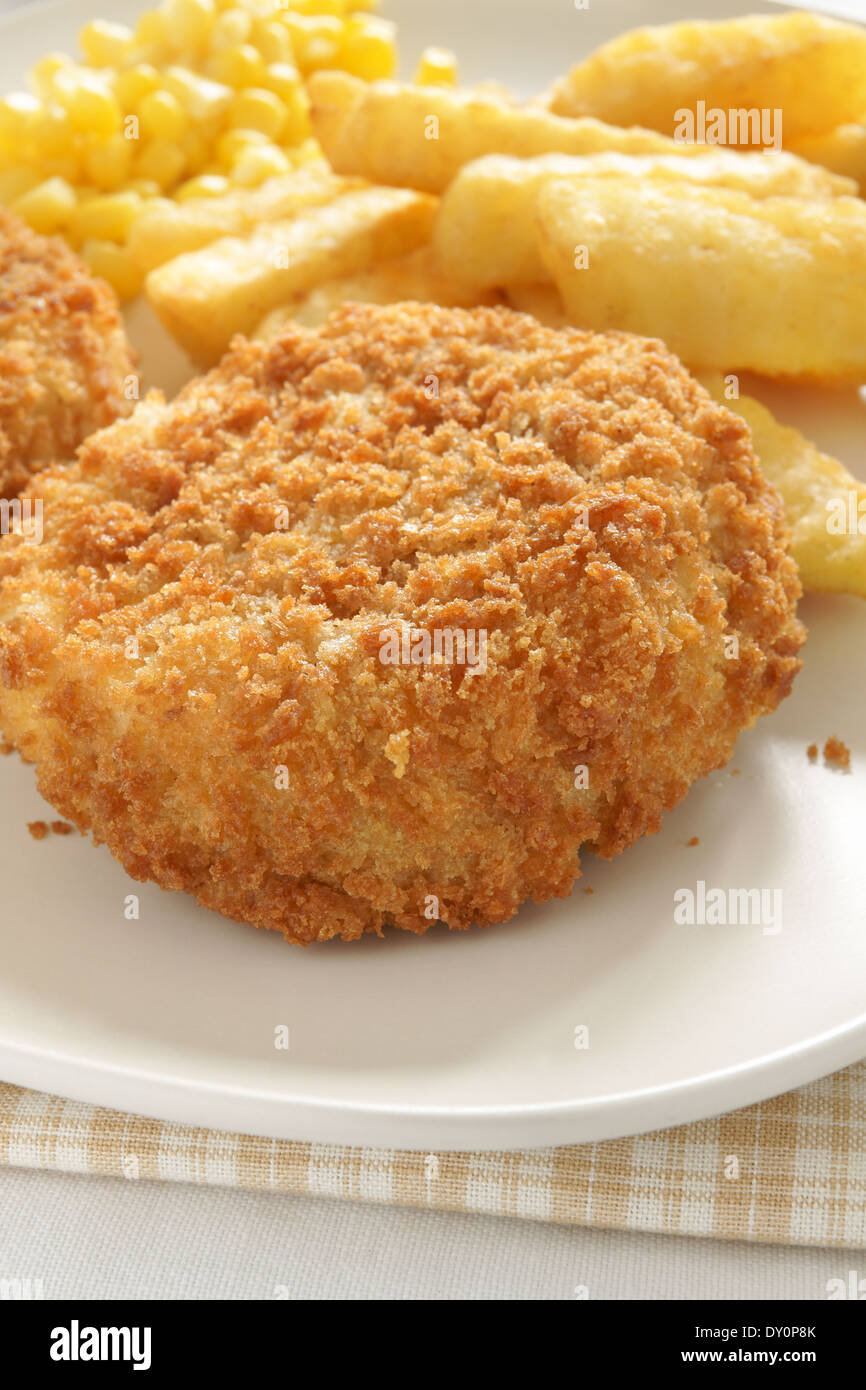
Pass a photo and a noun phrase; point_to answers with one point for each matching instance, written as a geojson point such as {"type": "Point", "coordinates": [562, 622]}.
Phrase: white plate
{"type": "Point", "coordinates": [467, 1041]}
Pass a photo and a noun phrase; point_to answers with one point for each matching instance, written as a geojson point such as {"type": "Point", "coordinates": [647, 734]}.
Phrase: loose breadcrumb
{"type": "Point", "coordinates": [38, 829]}
{"type": "Point", "coordinates": [812, 752]}
{"type": "Point", "coordinates": [62, 827]}
{"type": "Point", "coordinates": [836, 753]}
{"type": "Point", "coordinates": [693, 841]}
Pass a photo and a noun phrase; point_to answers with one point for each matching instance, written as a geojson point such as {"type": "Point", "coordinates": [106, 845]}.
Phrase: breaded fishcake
{"type": "Point", "coordinates": [206, 655]}
{"type": "Point", "coordinates": [63, 353]}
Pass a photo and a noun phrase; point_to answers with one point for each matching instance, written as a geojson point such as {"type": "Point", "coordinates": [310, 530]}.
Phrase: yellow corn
{"type": "Point", "coordinates": [105, 218]}
{"type": "Point", "coordinates": [161, 117]}
{"type": "Point", "coordinates": [93, 109]}
{"type": "Point", "coordinates": [257, 163]}
{"type": "Point", "coordinates": [114, 264]}
{"type": "Point", "coordinates": [106, 45]}
{"type": "Point", "coordinates": [257, 109]}
{"type": "Point", "coordinates": [437, 68]}
{"type": "Point", "coordinates": [367, 48]}
{"type": "Point", "coordinates": [241, 65]}
{"type": "Point", "coordinates": [108, 163]}
{"type": "Point", "coordinates": [48, 206]}
{"type": "Point", "coordinates": [200, 98]}
{"type": "Point", "coordinates": [162, 161]}
{"type": "Point", "coordinates": [203, 186]}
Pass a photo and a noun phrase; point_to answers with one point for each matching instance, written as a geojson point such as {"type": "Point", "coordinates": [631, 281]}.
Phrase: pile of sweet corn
{"type": "Point", "coordinates": [200, 98]}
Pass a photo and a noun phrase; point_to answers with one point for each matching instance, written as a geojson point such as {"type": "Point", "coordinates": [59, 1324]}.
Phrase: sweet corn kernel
{"type": "Point", "coordinates": [231, 28]}
{"type": "Point", "coordinates": [152, 35]}
{"type": "Point", "coordinates": [51, 133]}
{"type": "Point", "coordinates": [134, 84]}
{"type": "Point", "coordinates": [257, 163]}
{"type": "Point", "coordinates": [61, 166]}
{"type": "Point", "coordinates": [204, 100]}
{"type": "Point", "coordinates": [368, 48]}
{"type": "Point", "coordinates": [104, 44]}
{"type": "Point", "coordinates": [161, 161]}
{"type": "Point", "coordinates": [316, 40]}
{"type": "Point", "coordinates": [114, 264]}
{"type": "Point", "coordinates": [231, 145]}
{"type": "Point", "coordinates": [48, 206]}
{"type": "Point", "coordinates": [107, 162]}
{"type": "Point", "coordinates": [145, 188]}
{"type": "Point", "coordinates": [203, 186]}
{"type": "Point", "coordinates": [273, 41]}
{"type": "Point", "coordinates": [322, 7]}
{"type": "Point", "coordinates": [437, 68]}
{"type": "Point", "coordinates": [92, 108]}
{"type": "Point", "coordinates": [190, 21]}
{"type": "Point", "coordinates": [105, 218]}
{"type": "Point", "coordinates": [161, 117]}
{"type": "Point", "coordinates": [196, 149]}
{"type": "Point", "coordinates": [19, 112]}
{"type": "Point", "coordinates": [297, 105]}
{"type": "Point", "coordinates": [283, 79]}
{"type": "Point", "coordinates": [14, 181]}
{"type": "Point", "coordinates": [257, 109]}
{"type": "Point", "coordinates": [43, 73]}
{"type": "Point", "coordinates": [238, 66]}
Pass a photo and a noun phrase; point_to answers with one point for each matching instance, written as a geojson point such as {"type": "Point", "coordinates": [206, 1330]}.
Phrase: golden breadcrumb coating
{"type": "Point", "coordinates": [193, 654]}
{"type": "Point", "coordinates": [63, 353]}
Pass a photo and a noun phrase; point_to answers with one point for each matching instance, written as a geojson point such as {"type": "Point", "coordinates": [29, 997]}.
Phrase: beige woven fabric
{"type": "Point", "coordinates": [790, 1170]}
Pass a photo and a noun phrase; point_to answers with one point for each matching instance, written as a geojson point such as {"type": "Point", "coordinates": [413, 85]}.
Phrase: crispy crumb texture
{"type": "Point", "coordinates": [63, 353]}
{"type": "Point", "coordinates": [837, 753]}
{"type": "Point", "coordinates": [192, 655]}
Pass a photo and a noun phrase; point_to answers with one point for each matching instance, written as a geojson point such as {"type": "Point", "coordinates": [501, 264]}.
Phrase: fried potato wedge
{"type": "Point", "coordinates": [419, 137]}
{"type": "Point", "coordinates": [486, 224]}
{"type": "Point", "coordinates": [414, 277]}
{"type": "Point", "coordinates": [171, 229]}
{"type": "Point", "coordinates": [843, 150]}
{"type": "Point", "coordinates": [777, 285]}
{"type": "Point", "coordinates": [811, 68]}
{"type": "Point", "coordinates": [822, 499]}
{"type": "Point", "coordinates": [205, 297]}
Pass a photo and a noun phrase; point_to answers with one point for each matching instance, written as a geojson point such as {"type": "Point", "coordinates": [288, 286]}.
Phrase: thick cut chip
{"type": "Point", "coordinates": [842, 150]}
{"type": "Point", "coordinates": [170, 229]}
{"type": "Point", "coordinates": [824, 503]}
{"type": "Point", "coordinates": [413, 277]}
{"type": "Point", "coordinates": [776, 285]}
{"type": "Point", "coordinates": [332, 651]}
{"type": "Point", "coordinates": [486, 228]}
{"type": "Point", "coordinates": [206, 297]}
{"type": "Point", "coordinates": [811, 68]}
{"type": "Point", "coordinates": [419, 137]}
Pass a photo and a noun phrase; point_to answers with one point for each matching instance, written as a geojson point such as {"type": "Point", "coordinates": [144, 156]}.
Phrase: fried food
{"type": "Point", "coordinates": [216, 656]}
{"type": "Point", "coordinates": [166, 230]}
{"type": "Point", "coordinates": [416, 276]}
{"type": "Point", "coordinates": [64, 358]}
{"type": "Point", "coordinates": [205, 297]}
{"type": "Point", "coordinates": [486, 227]}
{"type": "Point", "coordinates": [842, 150]}
{"type": "Point", "coordinates": [777, 285]}
{"type": "Point", "coordinates": [810, 67]}
{"type": "Point", "coordinates": [825, 505]}
{"type": "Point", "coordinates": [419, 137]}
